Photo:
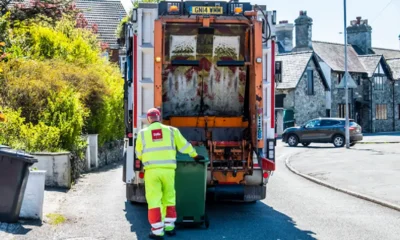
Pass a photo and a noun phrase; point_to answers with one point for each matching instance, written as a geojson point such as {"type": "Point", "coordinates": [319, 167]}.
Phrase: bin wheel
{"type": "Point", "coordinates": [206, 221]}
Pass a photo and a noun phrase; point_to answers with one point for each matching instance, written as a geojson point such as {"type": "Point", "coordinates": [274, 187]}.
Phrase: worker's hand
{"type": "Point", "coordinates": [198, 158]}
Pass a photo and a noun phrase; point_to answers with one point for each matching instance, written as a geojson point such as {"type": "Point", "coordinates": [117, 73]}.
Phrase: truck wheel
{"type": "Point", "coordinates": [338, 141]}
{"type": "Point", "coordinates": [293, 141]}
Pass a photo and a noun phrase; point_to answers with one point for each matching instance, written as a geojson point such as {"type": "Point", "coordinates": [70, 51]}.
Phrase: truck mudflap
{"type": "Point", "coordinates": [240, 193]}
{"type": "Point", "coordinates": [135, 193]}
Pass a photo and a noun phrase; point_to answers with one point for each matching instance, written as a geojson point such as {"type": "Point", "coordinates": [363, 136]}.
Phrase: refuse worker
{"type": "Point", "coordinates": [156, 147]}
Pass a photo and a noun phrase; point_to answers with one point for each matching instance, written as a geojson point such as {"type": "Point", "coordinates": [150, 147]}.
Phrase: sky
{"type": "Point", "coordinates": [383, 16]}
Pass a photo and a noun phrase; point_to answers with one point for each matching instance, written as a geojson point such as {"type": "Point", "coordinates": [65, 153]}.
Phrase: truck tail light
{"type": "Point", "coordinates": [141, 175]}
{"type": "Point", "coordinates": [265, 175]}
{"type": "Point", "coordinates": [267, 164]}
{"type": "Point", "coordinates": [137, 164]}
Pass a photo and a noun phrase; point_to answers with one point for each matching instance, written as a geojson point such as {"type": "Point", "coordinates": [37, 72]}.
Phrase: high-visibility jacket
{"type": "Point", "coordinates": [156, 146]}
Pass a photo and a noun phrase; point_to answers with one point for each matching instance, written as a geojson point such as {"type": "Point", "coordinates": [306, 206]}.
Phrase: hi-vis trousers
{"type": "Point", "coordinates": [160, 196]}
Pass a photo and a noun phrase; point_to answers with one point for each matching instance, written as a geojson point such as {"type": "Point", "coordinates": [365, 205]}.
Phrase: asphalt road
{"type": "Point", "coordinates": [294, 209]}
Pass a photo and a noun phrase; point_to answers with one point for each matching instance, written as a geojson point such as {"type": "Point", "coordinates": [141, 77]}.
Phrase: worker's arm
{"type": "Point", "coordinates": [183, 145]}
{"type": "Point", "coordinates": [139, 147]}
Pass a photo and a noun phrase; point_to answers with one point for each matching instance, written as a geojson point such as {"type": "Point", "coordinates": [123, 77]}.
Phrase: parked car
{"type": "Point", "coordinates": [323, 130]}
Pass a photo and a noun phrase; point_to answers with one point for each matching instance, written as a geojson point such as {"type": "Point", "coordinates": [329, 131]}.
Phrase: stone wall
{"type": "Point", "coordinates": [397, 104]}
{"type": "Point", "coordinates": [111, 152]}
{"type": "Point", "coordinates": [78, 164]}
{"type": "Point", "coordinates": [362, 115]}
{"type": "Point", "coordinates": [385, 97]}
{"type": "Point", "coordinates": [306, 106]}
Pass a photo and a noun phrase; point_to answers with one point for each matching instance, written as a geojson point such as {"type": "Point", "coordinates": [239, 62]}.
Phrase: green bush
{"type": "Point", "coordinates": [65, 112]}
{"type": "Point", "coordinates": [55, 75]}
{"type": "Point", "coordinates": [17, 134]}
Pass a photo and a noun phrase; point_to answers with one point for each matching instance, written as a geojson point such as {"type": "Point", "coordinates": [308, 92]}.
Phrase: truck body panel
{"type": "Point", "coordinates": [211, 75]}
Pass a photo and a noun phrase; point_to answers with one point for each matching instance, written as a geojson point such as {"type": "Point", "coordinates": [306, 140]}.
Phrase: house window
{"type": "Point", "coordinates": [342, 110]}
{"type": "Point", "coordinates": [358, 80]}
{"type": "Point", "coordinates": [339, 77]}
{"type": "Point", "coordinates": [381, 112]}
{"type": "Point", "coordinates": [278, 71]}
{"type": "Point", "coordinates": [378, 82]}
{"type": "Point", "coordinates": [310, 82]}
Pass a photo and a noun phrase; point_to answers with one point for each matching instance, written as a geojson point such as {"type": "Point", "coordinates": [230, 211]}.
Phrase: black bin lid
{"type": "Point", "coordinates": [14, 154]}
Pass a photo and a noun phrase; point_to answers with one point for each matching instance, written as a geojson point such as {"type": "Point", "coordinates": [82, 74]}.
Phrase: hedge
{"type": "Point", "coordinates": [56, 87]}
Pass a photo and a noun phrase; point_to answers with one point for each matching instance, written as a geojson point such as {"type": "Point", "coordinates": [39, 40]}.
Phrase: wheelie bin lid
{"type": "Point", "coordinates": [201, 150]}
{"type": "Point", "coordinates": [15, 154]}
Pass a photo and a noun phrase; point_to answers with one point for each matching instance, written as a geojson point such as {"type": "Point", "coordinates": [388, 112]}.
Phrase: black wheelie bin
{"type": "Point", "coordinates": [190, 187]}
{"type": "Point", "coordinates": [14, 173]}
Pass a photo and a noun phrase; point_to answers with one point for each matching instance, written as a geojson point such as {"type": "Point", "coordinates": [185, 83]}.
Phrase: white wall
{"type": "Point", "coordinates": [57, 167]}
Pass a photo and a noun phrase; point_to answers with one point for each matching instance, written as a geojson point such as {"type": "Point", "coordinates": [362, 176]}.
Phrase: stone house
{"type": "Point", "coordinates": [300, 88]}
{"type": "Point", "coordinates": [395, 67]}
{"type": "Point", "coordinates": [373, 102]}
{"type": "Point", "coordinates": [378, 93]}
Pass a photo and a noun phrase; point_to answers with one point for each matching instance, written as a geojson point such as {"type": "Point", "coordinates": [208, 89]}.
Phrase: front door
{"type": "Point", "coordinates": [311, 131]}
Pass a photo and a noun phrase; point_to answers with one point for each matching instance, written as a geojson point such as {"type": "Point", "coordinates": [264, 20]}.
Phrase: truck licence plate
{"type": "Point", "coordinates": [206, 10]}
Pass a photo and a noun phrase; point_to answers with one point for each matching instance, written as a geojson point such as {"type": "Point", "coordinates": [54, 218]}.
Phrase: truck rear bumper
{"type": "Point", "coordinates": [240, 193]}
{"type": "Point", "coordinates": [135, 193]}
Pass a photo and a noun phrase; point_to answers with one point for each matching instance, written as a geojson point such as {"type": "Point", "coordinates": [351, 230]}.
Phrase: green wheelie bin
{"type": "Point", "coordinates": [190, 187]}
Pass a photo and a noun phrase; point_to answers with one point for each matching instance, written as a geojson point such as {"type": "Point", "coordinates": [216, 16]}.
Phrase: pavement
{"type": "Point", "coordinates": [369, 171]}
{"type": "Point", "coordinates": [372, 138]}
{"type": "Point", "coordinates": [295, 208]}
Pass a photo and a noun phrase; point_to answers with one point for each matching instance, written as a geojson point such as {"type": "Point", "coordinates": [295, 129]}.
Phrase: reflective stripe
{"type": "Point", "coordinates": [157, 225]}
{"type": "Point", "coordinates": [170, 220]}
{"type": "Point", "coordinates": [172, 137]}
{"type": "Point", "coordinates": [143, 140]}
{"type": "Point", "coordinates": [158, 232]}
{"type": "Point", "coordinates": [138, 154]}
{"type": "Point", "coordinates": [169, 224]}
{"type": "Point", "coordinates": [184, 147]}
{"type": "Point", "coordinates": [159, 162]}
{"type": "Point", "coordinates": [156, 149]}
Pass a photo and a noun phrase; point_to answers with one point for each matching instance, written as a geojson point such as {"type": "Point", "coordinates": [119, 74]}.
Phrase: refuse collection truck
{"type": "Point", "coordinates": [209, 67]}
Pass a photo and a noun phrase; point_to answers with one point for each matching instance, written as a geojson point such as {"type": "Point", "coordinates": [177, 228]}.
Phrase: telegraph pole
{"type": "Point", "coordinates": [345, 78]}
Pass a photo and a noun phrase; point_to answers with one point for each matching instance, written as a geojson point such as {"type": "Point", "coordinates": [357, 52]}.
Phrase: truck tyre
{"type": "Point", "coordinates": [338, 141]}
{"type": "Point", "coordinates": [352, 144]}
{"type": "Point", "coordinates": [293, 140]}
{"type": "Point", "coordinates": [306, 144]}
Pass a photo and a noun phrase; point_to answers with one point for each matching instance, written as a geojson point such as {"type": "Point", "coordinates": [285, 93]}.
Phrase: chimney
{"type": "Point", "coordinates": [359, 33]}
{"type": "Point", "coordinates": [284, 35]}
{"type": "Point", "coordinates": [303, 32]}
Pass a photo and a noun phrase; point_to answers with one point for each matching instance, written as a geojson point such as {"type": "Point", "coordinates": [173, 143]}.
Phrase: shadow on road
{"type": "Point", "coordinates": [23, 227]}
{"type": "Point", "coordinates": [228, 221]}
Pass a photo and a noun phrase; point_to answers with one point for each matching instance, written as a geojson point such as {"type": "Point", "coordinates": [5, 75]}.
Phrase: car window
{"type": "Point", "coordinates": [328, 123]}
{"type": "Point", "coordinates": [313, 123]}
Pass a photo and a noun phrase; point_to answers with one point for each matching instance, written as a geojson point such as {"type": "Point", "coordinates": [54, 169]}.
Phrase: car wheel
{"type": "Point", "coordinates": [306, 144]}
{"type": "Point", "coordinates": [352, 144]}
{"type": "Point", "coordinates": [338, 141]}
{"type": "Point", "coordinates": [292, 140]}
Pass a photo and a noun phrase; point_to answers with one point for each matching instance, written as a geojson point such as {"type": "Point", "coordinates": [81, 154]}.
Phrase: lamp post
{"type": "Point", "coordinates": [345, 79]}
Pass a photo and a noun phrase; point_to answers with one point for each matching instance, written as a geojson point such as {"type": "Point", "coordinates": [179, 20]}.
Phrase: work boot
{"type": "Point", "coordinates": [171, 233]}
{"type": "Point", "coordinates": [153, 236]}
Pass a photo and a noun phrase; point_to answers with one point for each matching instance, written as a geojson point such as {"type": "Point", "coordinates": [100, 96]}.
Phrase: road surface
{"type": "Point", "coordinates": [294, 209]}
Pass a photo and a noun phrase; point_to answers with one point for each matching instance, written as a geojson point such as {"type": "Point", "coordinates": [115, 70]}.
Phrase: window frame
{"type": "Point", "coordinates": [310, 82]}
{"type": "Point", "coordinates": [381, 112]}
{"type": "Point", "coordinates": [342, 109]}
